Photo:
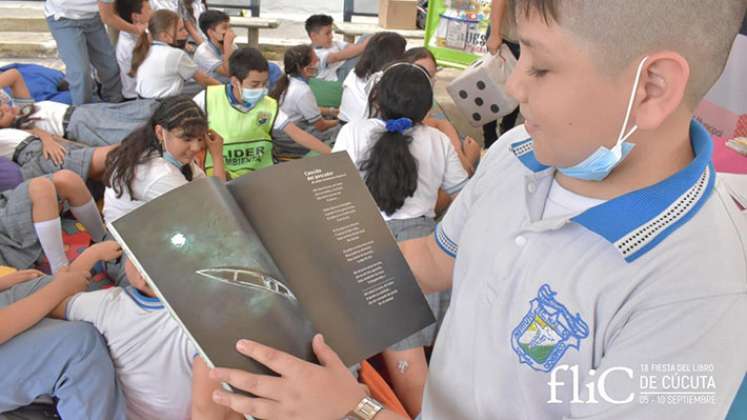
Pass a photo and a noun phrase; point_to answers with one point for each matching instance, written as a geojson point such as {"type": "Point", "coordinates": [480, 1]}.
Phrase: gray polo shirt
{"type": "Point", "coordinates": [642, 297]}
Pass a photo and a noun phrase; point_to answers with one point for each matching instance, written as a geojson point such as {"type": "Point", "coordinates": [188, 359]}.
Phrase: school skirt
{"type": "Point", "coordinates": [439, 302]}
{"type": "Point", "coordinates": [30, 157]}
{"type": "Point", "coordinates": [19, 245]}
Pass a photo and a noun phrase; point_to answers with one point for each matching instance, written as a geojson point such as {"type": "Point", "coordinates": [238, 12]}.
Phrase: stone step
{"type": "Point", "coordinates": [27, 45]}
{"type": "Point", "coordinates": [23, 17]}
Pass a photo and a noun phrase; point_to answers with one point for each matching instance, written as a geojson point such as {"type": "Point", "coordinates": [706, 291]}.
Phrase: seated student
{"type": "Point", "coordinates": [159, 67]}
{"type": "Point", "coordinates": [30, 215]}
{"type": "Point", "coordinates": [159, 156]}
{"type": "Point", "coordinates": [404, 164]}
{"type": "Point", "coordinates": [212, 56]}
{"type": "Point", "coordinates": [152, 354]}
{"type": "Point", "coordinates": [246, 117]}
{"type": "Point", "coordinates": [297, 102]}
{"type": "Point", "coordinates": [189, 11]}
{"type": "Point", "coordinates": [333, 55]}
{"type": "Point", "coordinates": [469, 150]}
{"type": "Point", "coordinates": [99, 124]}
{"type": "Point", "coordinates": [66, 360]}
{"type": "Point", "coordinates": [593, 247]}
{"type": "Point", "coordinates": [137, 12]}
{"type": "Point", "coordinates": [383, 48]}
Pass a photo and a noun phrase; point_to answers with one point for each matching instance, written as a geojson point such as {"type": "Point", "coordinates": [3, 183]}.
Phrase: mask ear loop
{"type": "Point", "coordinates": [622, 136]}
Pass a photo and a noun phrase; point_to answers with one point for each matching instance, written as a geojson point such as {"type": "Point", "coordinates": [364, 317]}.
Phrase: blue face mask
{"type": "Point", "coordinates": [172, 159]}
{"type": "Point", "coordinates": [599, 164]}
{"type": "Point", "coordinates": [251, 97]}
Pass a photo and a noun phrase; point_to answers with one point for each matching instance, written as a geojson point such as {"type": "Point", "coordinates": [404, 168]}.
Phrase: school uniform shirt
{"type": "Point", "coordinates": [208, 58]}
{"type": "Point", "coordinates": [354, 103]}
{"type": "Point", "coordinates": [10, 138]}
{"type": "Point", "coordinates": [72, 9]}
{"type": "Point", "coordinates": [437, 162]}
{"type": "Point", "coordinates": [152, 179]}
{"type": "Point", "coordinates": [125, 44]}
{"type": "Point", "coordinates": [328, 71]}
{"type": "Point", "coordinates": [299, 102]}
{"type": "Point", "coordinates": [152, 354]}
{"type": "Point", "coordinates": [49, 116]}
{"type": "Point", "coordinates": [281, 119]}
{"type": "Point", "coordinates": [648, 287]}
{"type": "Point", "coordinates": [164, 71]}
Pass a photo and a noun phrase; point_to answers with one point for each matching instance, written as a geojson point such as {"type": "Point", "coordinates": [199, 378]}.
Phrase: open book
{"type": "Point", "coordinates": [276, 256]}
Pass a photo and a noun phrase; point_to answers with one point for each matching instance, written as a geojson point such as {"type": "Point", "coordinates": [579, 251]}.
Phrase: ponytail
{"type": "Point", "coordinates": [294, 61]}
{"type": "Point", "coordinates": [161, 21]}
{"type": "Point", "coordinates": [391, 171]}
{"type": "Point", "coordinates": [403, 97]}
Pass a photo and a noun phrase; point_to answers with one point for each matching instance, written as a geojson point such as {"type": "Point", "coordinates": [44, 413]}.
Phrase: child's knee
{"type": "Point", "coordinates": [67, 180]}
{"type": "Point", "coordinates": [41, 189]}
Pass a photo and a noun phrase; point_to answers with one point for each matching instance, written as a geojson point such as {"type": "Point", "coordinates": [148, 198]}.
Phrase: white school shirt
{"type": "Point", "coordinates": [299, 102]}
{"type": "Point", "coordinates": [72, 9]}
{"type": "Point", "coordinates": [152, 355]}
{"type": "Point", "coordinates": [125, 44]}
{"type": "Point", "coordinates": [10, 138]}
{"type": "Point", "coordinates": [654, 277]}
{"type": "Point", "coordinates": [437, 162]}
{"type": "Point", "coordinates": [208, 58]}
{"type": "Point", "coordinates": [49, 117]}
{"type": "Point", "coordinates": [281, 119]}
{"type": "Point", "coordinates": [562, 202]}
{"type": "Point", "coordinates": [164, 71]}
{"type": "Point", "coordinates": [354, 103]}
{"type": "Point", "coordinates": [328, 71]}
{"type": "Point", "coordinates": [152, 179]}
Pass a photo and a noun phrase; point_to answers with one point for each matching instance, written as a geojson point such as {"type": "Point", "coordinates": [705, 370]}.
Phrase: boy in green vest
{"type": "Point", "coordinates": [242, 113]}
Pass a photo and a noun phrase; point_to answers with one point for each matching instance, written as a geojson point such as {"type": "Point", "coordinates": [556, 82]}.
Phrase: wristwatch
{"type": "Point", "coordinates": [367, 409]}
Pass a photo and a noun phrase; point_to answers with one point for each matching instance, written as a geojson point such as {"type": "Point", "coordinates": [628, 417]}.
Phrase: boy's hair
{"type": "Point", "coordinates": [125, 8]}
{"type": "Point", "coordinates": [209, 19]}
{"type": "Point", "coordinates": [244, 60]}
{"type": "Point", "coordinates": [702, 31]}
{"type": "Point", "coordinates": [383, 48]}
{"type": "Point", "coordinates": [316, 22]}
{"type": "Point", "coordinates": [174, 113]}
{"type": "Point", "coordinates": [391, 171]}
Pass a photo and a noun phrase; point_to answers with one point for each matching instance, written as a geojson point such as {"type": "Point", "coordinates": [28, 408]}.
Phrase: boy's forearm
{"type": "Point", "coordinates": [23, 314]}
{"type": "Point", "coordinates": [111, 18]}
{"type": "Point", "coordinates": [306, 140]}
{"type": "Point", "coordinates": [85, 261]}
{"type": "Point", "coordinates": [348, 52]}
{"type": "Point", "coordinates": [432, 268]}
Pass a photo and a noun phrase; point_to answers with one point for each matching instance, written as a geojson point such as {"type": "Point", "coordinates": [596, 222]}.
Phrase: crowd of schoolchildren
{"type": "Point", "coordinates": [175, 100]}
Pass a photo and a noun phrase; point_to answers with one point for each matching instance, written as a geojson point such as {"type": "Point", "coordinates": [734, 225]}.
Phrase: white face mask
{"type": "Point", "coordinates": [599, 164]}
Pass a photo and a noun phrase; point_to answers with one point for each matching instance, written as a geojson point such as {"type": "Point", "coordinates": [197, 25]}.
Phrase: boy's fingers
{"type": "Point", "coordinates": [260, 385]}
{"type": "Point", "coordinates": [255, 407]}
{"type": "Point", "coordinates": [278, 361]}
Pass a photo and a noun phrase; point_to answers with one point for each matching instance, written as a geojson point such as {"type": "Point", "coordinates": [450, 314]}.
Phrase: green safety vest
{"type": "Point", "coordinates": [247, 136]}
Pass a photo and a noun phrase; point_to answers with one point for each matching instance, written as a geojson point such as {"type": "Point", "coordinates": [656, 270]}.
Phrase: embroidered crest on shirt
{"type": "Point", "coordinates": [547, 331]}
{"type": "Point", "coordinates": [263, 118]}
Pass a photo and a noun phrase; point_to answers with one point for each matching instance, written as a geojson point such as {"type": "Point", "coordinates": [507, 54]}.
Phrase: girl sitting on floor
{"type": "Point", "coordinates": [298, 102]}
{"type": "Point", "coordinates": [160, 68]}
{"type": "Point", "coordinates": [160, 156]}
{"type": "Point", "coordinates": [404, 163]}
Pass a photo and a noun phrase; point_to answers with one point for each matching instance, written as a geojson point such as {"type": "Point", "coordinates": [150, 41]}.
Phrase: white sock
{"type": "Point", "coordinates": [50, 237]}
{"type": "Point", "coordinates": [88, 214]}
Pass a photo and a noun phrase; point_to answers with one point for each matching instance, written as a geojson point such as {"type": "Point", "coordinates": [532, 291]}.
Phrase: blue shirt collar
{"type": "Point", "coordinates": [638, 221]}
{"type": "Point", "coordinates": [146, 302]}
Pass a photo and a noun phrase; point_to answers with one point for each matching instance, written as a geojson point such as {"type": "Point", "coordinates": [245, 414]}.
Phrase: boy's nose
{"type": "Point", "coordinates": [514, 85]}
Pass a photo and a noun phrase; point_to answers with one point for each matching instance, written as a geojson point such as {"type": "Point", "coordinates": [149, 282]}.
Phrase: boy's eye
{"type": "Point", "coordinates": [535, 72]}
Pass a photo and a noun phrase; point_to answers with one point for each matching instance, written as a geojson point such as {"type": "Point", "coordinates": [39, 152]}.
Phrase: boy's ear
{"type": "Point", "coordinates": [662, 89]}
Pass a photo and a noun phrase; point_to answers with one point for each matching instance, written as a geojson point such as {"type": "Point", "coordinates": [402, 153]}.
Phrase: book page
{"type": "Point", "coordinates": [325, 232]}
{"type": "Point", "coordinates": [206, 262]}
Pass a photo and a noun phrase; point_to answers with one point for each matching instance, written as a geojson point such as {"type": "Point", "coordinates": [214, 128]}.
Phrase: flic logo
{"type": "Point", "coordinates": [593, 387]}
